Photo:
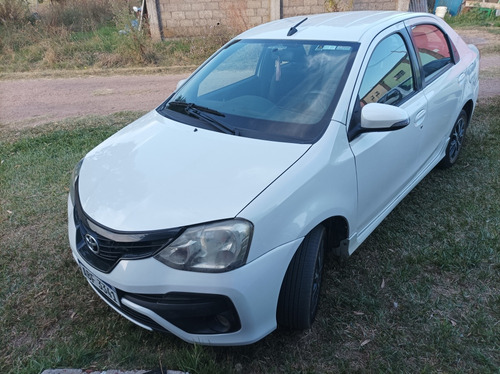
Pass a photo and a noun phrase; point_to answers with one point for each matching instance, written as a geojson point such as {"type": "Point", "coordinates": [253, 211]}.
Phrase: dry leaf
{"type": "Point", "coordinates": [365, 342]}
{"type": "Point", "coordinates": [358, 313]}
{"type": "Point", "coordinates": [383, 283]}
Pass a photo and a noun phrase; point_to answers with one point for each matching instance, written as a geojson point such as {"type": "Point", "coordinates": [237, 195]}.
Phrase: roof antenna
{"type": "Point", "coordinates": [293, 29]}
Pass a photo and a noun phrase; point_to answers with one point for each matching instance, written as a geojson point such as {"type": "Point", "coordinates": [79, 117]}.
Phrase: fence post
{"type": "Point", "coordinates": [154, 18]}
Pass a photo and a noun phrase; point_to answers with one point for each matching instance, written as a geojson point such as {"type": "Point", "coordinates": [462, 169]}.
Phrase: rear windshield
{"type": "Point", "coordinates": [267, 89]}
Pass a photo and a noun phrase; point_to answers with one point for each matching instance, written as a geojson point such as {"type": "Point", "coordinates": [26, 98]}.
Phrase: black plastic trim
{"type": "Point", "coordinates": [192, 312]}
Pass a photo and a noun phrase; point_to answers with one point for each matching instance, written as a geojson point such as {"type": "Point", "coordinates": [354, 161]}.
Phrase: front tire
{"type": "Point", "coordinates": [299, 295]}
{"type": "Point", "coordinates": [456, 141]}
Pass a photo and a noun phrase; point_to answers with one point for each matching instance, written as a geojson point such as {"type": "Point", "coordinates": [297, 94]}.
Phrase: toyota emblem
{"type": "Point", "coordinates": [92, 243]}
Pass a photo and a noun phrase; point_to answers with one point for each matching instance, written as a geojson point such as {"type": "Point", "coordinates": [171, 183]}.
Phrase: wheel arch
{"type": "Point", "coordinates": [337, 231]}
{"type": "Point", "coordinates": [292, 308]}
{"type": "Point", "coordinates": [469, 109]}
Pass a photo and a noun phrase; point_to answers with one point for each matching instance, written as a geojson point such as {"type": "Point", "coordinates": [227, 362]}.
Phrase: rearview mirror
{"type": "Point", "coordinates": [383, 117]}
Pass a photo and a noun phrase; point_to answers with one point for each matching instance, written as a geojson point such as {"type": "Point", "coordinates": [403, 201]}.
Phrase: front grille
{"type": "Point", "coordinates": [111, 250]}
{"type": "Point", "coordinates": [113, 245]}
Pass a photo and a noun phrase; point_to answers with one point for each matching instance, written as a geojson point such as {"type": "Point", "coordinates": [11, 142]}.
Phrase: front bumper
{"type": "Point", "coordinates": [246, 296]}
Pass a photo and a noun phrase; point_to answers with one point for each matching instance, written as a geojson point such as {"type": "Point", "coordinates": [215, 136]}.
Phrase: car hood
{"type": "Point", "coordinates": [157, 173]}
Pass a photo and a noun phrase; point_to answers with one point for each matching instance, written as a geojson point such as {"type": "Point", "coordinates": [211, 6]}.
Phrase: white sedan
{"type": "Point", "coordinates": [210, 216]}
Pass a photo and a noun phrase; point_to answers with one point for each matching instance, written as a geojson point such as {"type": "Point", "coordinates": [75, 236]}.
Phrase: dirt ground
{"type": "Point", "coordinates": [32, 102]}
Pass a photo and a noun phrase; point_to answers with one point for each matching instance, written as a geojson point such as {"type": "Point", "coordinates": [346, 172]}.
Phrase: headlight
{"type": "Point", "coordinates": [74, 178]}
{"type": "Point", "coordinates": [214, 247]}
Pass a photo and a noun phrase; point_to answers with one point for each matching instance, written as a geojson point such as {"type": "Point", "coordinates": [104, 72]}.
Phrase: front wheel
{"type": "Point", "coordinates": [299, 295]}
{"type": "Point", "coordinates": [456, 141]}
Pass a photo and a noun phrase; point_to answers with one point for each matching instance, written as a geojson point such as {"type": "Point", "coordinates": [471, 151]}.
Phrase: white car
{"type": "Point", "coordinates": [209, 217]}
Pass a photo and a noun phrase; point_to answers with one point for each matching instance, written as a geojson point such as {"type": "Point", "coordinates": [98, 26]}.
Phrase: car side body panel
{"type": "Point", "coordinates": [430, 126]}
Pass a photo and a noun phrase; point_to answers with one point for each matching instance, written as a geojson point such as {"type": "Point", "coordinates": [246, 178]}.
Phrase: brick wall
{"type": "Point", "coordinates": [290, 8]}
{"type": "Point", "coordinates": [381, 5]}
{"type": "Point", "coordinates": [375, 5]}
{"type": "Point", "coordinates": [199, 17]}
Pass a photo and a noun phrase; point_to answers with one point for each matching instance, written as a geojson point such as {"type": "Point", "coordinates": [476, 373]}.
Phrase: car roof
{"type": "Point", "coordinates": [342, 26]}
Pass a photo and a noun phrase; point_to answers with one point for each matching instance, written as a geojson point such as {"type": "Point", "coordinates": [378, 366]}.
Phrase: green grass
{"type": "Point", "coordinates": [474, 17]}
{"type": "Point", "coordinates": [422, 294]}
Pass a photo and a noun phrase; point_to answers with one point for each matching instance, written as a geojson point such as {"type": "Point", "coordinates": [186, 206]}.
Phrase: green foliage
{"type": "Point", "coordinates": [475, 16]}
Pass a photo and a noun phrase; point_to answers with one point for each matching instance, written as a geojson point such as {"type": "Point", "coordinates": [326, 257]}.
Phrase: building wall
{"type": "Point", "coordinates": [375, 5]}
{"type": "Point", "coordinates": [402, 5]}
{"type": "Point", "coordinates": [290, 8]}
{"type": "Point", "coordinates": [197, 17]}
{"type": "Point", "coordinates": [200, 17]}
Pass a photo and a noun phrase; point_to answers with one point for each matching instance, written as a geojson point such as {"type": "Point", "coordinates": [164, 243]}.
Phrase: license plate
{"type": "Point", "coordinates": [102, 286]}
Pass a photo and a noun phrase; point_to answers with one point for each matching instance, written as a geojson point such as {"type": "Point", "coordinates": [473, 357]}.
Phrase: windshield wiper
{"type": "Point", "coordinates": [184, 105]}
{"type": "Point", "coordinates": [199, 111]}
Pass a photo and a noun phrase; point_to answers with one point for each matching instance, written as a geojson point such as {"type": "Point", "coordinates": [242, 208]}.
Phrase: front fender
{"type": "Point", "coordinates": [321, 184]}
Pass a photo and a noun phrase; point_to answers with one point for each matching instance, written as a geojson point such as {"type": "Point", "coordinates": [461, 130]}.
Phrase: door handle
{"type": "Point", "coordinates": [461, 78]}
{"type": "Point", "coordinates": [419, 118]}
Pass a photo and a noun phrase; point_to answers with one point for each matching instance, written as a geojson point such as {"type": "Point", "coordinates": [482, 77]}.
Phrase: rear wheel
{"type": "Point", "coordinates": [299, 296]}
{"type": "Point", "coordinates": [457, 138]}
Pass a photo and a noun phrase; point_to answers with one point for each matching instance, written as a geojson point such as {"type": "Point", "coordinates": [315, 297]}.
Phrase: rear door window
{"type": "Point", "coordinates": [432, 49]}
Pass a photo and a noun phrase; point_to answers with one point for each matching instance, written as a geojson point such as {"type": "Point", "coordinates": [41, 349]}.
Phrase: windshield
{"type": "Point", "coordinates": [267, 89]}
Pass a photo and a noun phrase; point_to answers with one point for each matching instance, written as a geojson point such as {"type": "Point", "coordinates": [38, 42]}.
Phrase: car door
{"type": "Point", "coordinates": [387, 162]}
{"type": "Point", "coordinates": [443, 85]}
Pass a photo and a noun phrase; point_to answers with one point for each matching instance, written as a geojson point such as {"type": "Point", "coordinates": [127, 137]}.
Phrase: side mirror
{"type": "Point", "coordinates": [383, 117]}
{"type": "Point", "coordinates": [180, 83]}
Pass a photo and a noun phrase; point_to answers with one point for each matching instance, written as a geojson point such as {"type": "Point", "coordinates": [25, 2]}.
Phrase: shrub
{"type": "Point", "coordinates": [474, 17]}
{"type": "Point", "coordinates": [81, 34]}
{"type": "Point", "coordinates": [79, 15]}
{"type": "Point", "coordinates": [13, 11]}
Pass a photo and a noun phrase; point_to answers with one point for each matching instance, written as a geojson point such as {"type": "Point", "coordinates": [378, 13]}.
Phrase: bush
{"type": "Point", "coordinates": [13, 11]}
{"type": "Point", "coordinates": [79, 15]}
{"type": "Point", "coordinates": [473, 17]}
{"type": "Point", "coordinates": [81, 34]}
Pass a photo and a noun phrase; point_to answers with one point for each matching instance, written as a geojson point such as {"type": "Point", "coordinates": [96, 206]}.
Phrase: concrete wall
{"type": "Point", "coordinates": [402, 5]}
{"type": "Point", "coordinates": [290, 8]}
{"type": "Point", "coordinates": [199, 17]}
